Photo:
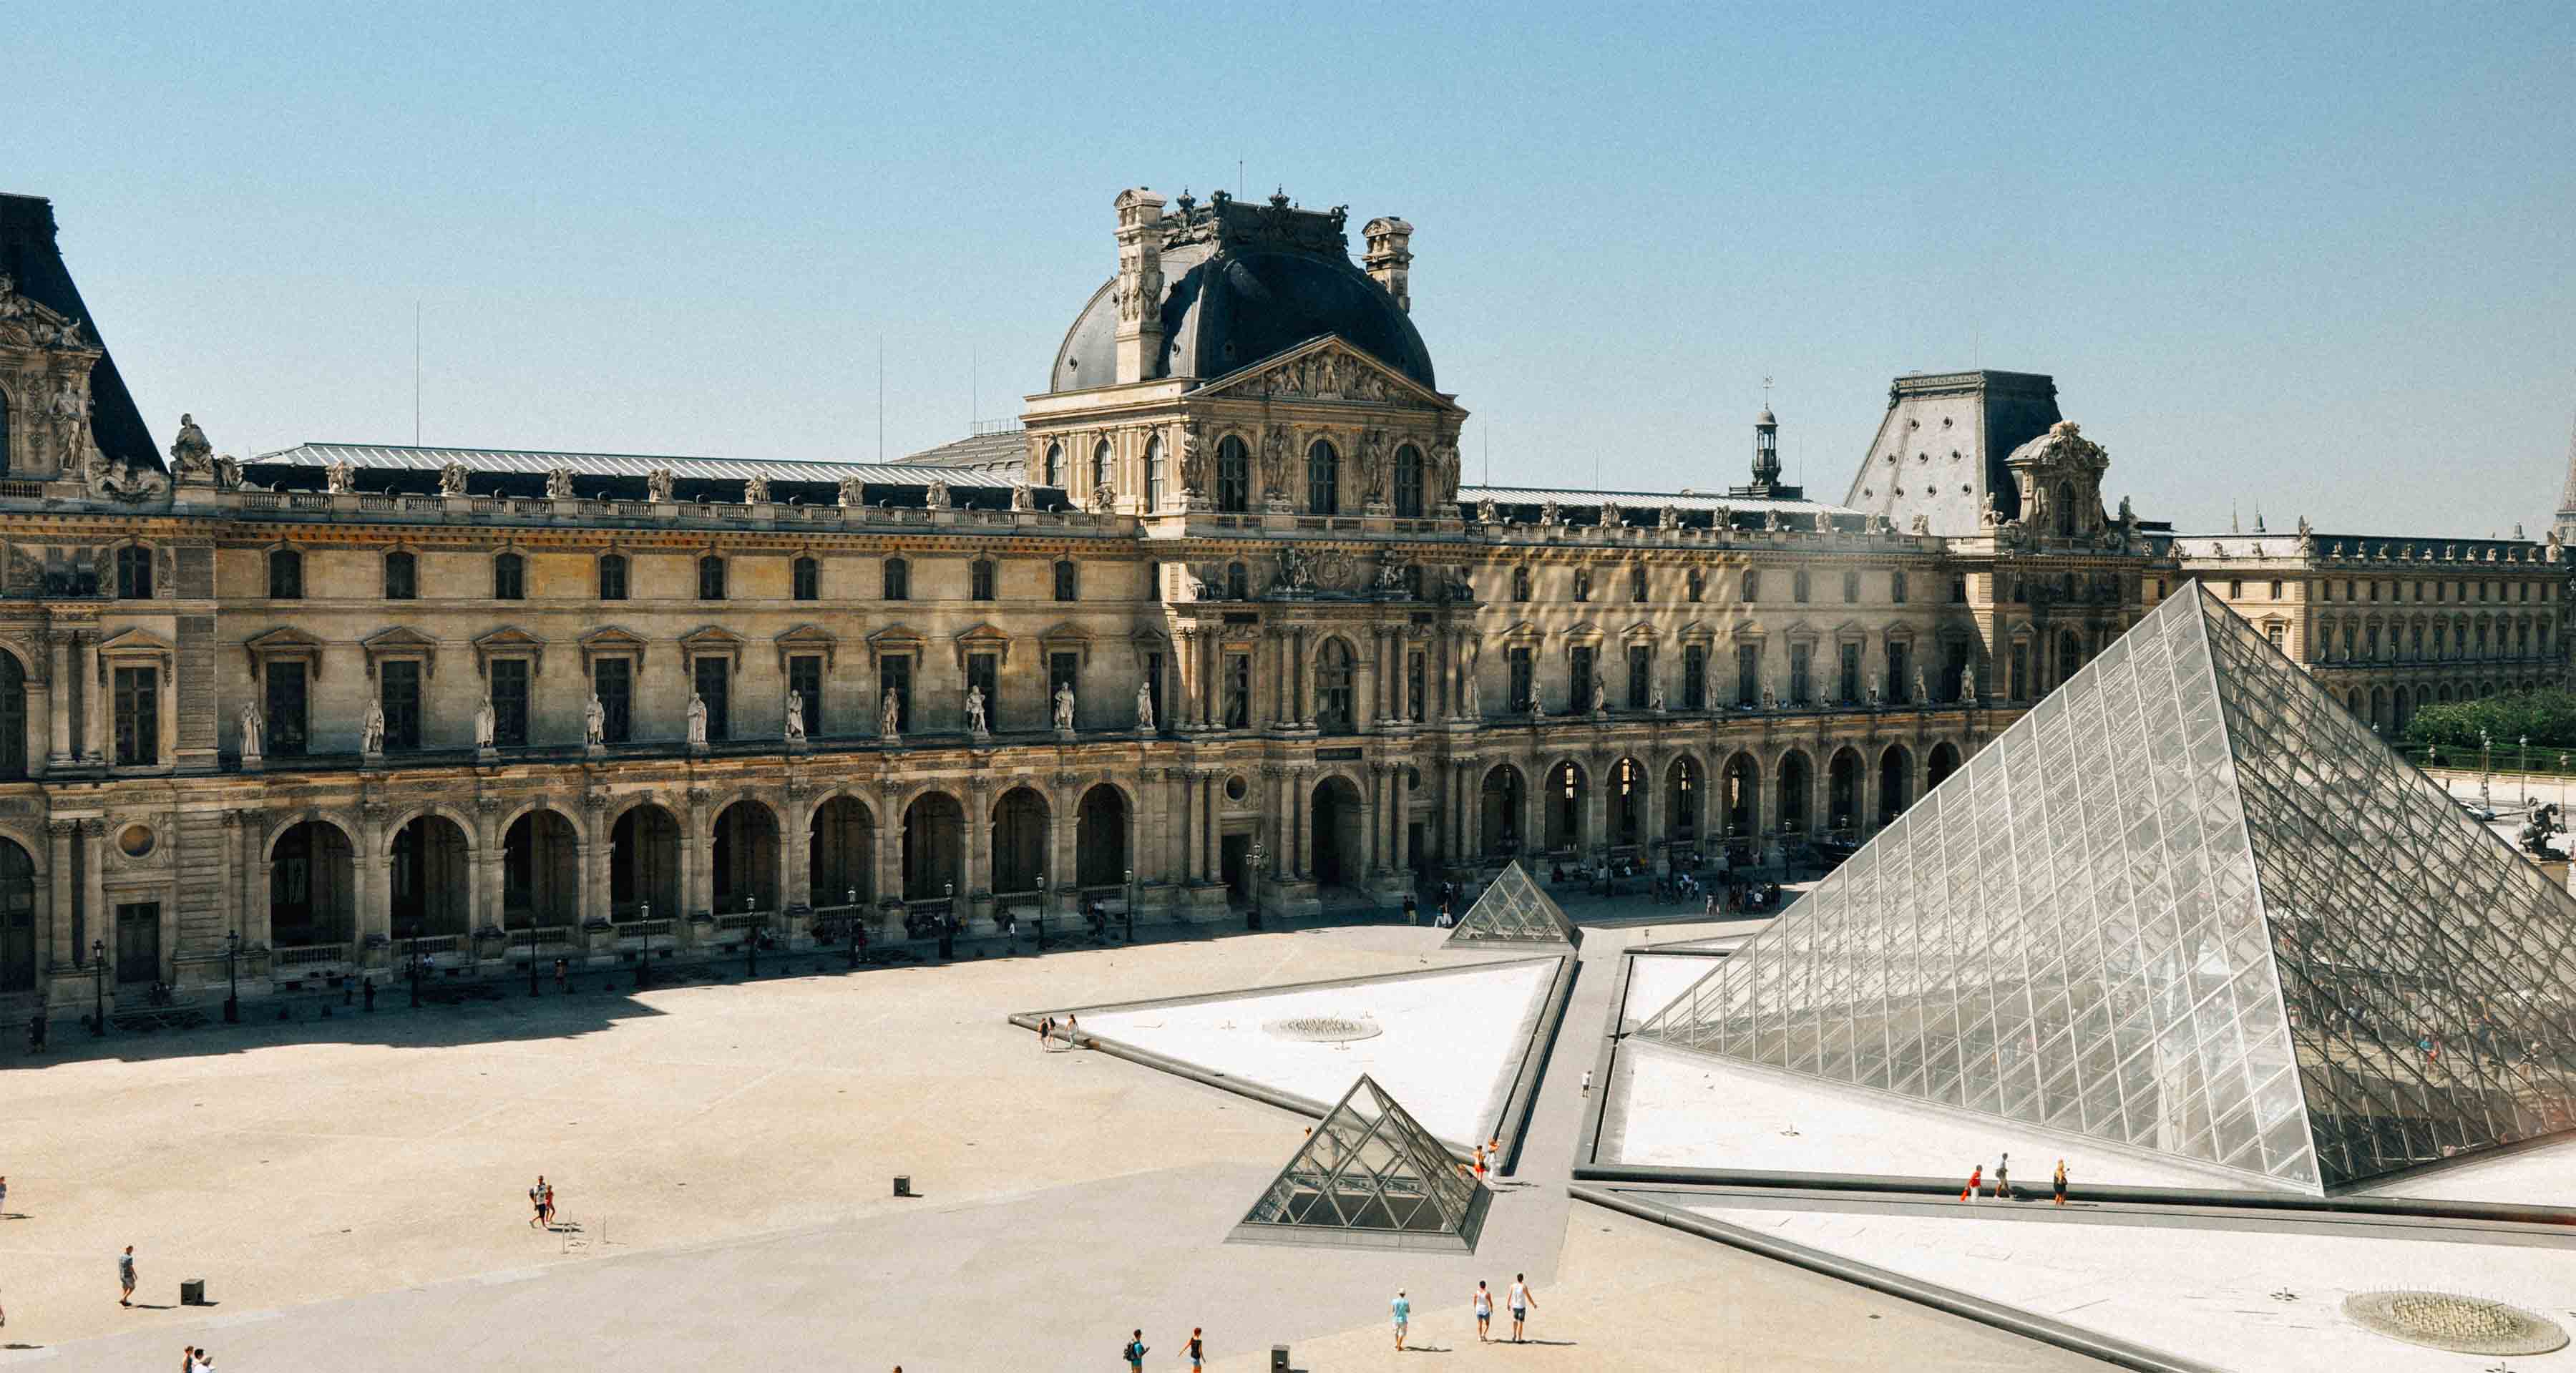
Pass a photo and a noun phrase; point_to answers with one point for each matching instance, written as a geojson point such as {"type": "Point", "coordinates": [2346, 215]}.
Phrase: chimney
{"type": "Point", "coordinates": [1390, 259]}
{"type": "Point", "coordinates": [1139, 292]}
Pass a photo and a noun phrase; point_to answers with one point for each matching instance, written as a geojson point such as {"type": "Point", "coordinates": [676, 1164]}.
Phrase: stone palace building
{"type": "Point", "coordinates": [1216, 630]}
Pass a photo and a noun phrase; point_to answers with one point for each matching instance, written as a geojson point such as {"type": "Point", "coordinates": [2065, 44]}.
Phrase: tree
{"type": "Point", "coordinates": [2547, 718]}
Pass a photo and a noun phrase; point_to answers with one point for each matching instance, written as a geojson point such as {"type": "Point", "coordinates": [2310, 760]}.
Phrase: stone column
{"type": "Point", "coordinates": [1209, 861]}
{"type": "Point", "coordinates": [1400, 825]}
{"type": "Point", "coordinates": [251, 878]}
{"type": "Point", "coordinates": [375, 895]}
{"type": "Point", "coordinates": [591, 856]}
{"type": "Point", "coordinates": [975, 843]}
{"type": "Point", "coordinates": [101, 922]}
{"type": "Point", "coordinates": [889, 862]}
{"type": "Point", "coordinates": [1180, 797]}
{"type": "Point", "coordinates": [1470, 812]}
{"type": "Point", "coordinates": [1652, 822]}
{"type": "Point", "coordinates": [58, 699]}
{"type": "Point", "coordinates": [697, 875]}
{"type": "Point", "coordinates": [65, 949]}
{"type": "Point", "coordinates": [796, 885]}
{"type": "Point", "coordinates": [94, 724]}
{"type": "Point", "coordinates": [1301, 806]}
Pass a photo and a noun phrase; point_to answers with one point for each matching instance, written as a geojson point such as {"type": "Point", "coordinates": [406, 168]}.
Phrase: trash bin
{"type": "Point", "coordinates": [1278, 1358]}
{"type": "Point", "coordinates": [903, 1184]}
{"type": "Point", "coordinates": [192, 1292]}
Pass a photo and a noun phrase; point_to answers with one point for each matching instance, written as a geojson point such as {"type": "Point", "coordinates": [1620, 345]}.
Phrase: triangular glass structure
{"type": "Point", "coordinates": [1370, 1176]}
{"type": "Point", "coordinates": [1514, 911]}
{"type": "Point", "coordinates": [2188, 904]}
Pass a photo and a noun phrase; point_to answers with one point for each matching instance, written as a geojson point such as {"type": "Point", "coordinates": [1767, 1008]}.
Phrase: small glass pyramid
{"type": "Point", "coordinates": [1514, 911]}
{"type": "Point", "coordinates": [1370, 1176]}
{"type": "Point", "coordinates": [2188, 904]}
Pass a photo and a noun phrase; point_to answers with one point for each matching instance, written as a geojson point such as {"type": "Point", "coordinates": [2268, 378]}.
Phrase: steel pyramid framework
{"type": "Point", "coordinates": [2188, 904]}
{"type": "Point", "coordinates": [1514, 911]}
{"type": "Point", "coordinates": [1370, 1176]}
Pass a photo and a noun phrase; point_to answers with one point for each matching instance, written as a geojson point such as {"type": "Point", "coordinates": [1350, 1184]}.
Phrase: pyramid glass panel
{"type": "Point", "coordinates": [1369, 1175]}
{"type": "Point", "coordinates": [1514, 911]}
{"type": "Point", "coordinates": [2209, 914]}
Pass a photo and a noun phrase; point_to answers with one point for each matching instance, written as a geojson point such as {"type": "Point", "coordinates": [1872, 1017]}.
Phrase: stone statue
{"type": "Point", "coordinates": [1769, 701]}
{"type": "Point", "coordinates": [1873, 691]}
{"type": "Point", "coordinates": [1369, 465]}
{"type": "Point", "coordinates": [451, 479]}
{"type": "Point", "coordinates": [252, 728]}
{"type": "Point", "coordinates": [697, 720]}
{"type": "Point", "coordinates": [190, 454]}
{"type": "Point", "coordinates": [1880, 524]}
{"type": "Point", "coordinates": [1443, 481]}
{"type": "Point", "coordinates": [1655, 697]}
{"type": "Point", "coordinates": [595, 722]}
{"type": "Point", "coordinates": [1777, 522]}
{"type": "Point", "coordinates": [1723, 520]}
{"type": "Point", "coordinates": [1486, 513]}
{"type": "Point", "coordinates": [853, 493]}
{"type": "Point", "coordinates": [890, 714]}
{"type": "Point", "coordinates": [795, 716]}
{"type": "Point", "coordinates": [2128, 517]}
{"type": "Point", "coordinates": [1920, 524]}
{"type": "Point", "coordinates": [486, 720]}
{"type": "Point", "coordinates": [657, 484]}
{"type": "Point", "coordinates": [371, 733]}
{"type": "Point", "coordinates": [1538, 708]}
{"type": "Point", "coordinates": [1547, 513]}
{"type": "Point", "coordinates": [2304, 531]}
{"type": "Point", "coordinates": [1922, 688]}
{"type": "Point", "coordinates": [1611, 515]}
{"type": "Point", "coordinates": [975, 712]}
{"type": "Point", "coordinates": [1274, 461]}
{"type": "Point", "coordinates": [1670, 517]}
{"type": "Point", "coordinates": [938, 498]}
{"type": "Point", "coordinates": [1390, 572]}
{"type": "Point", "coordinates": [1968, 683]}
{"type": "Point", "coordinates": [559, 484]}
{"type": "Point", "coordinates": [1144, 707]}
{"type": "Point", "coordinates": [1064, 707]}
{"type": "Point", "coordinates": [1193, 459]}
{"type": "Point", "coordinates": [69, 335]}
{"type": "Point", "coordinates": [1293, 572]}
{"type": "Point", "coordinates": [1104, 498]}
{"type": "Point", "coordinates": [755, 491]}
{"type": "Point", "coordinates": [1475, 702]}
{"type": "Point", "coordinates": [1022, 497]}
{"type": "Point", "coordinates": [1987, 515]}
{"type": "Point", "coordinates": [340, 478]}
{"type": "Point", "coordinates": [1600, 694]}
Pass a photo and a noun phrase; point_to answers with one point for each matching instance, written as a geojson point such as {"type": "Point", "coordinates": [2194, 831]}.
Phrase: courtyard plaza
{"type": "Point", "coordinates": [353, 1190]}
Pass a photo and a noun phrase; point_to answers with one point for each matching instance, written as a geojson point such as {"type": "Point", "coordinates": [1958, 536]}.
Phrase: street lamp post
{"type": "Point", "coordinates": [232, 978]}
{"type": "Point", "coordinates": [850, 898]}
{"type": "Point", "coordinates": [948, 921]}
{"type": "Point", "coordinates": [643, 943]}
{"type": "Point", "coordinates": [1252, 917]}
{"type": "Point", "coordinates": [98, 980]}
{"type": "Point", "coordinates": [2486, 757]}
{"type": "Point", "coordinates": [1042, 912]}
{"type": "Point", "coordinates": [1131, 905]}
{"type": "Point", "coordinates": [751, 937]}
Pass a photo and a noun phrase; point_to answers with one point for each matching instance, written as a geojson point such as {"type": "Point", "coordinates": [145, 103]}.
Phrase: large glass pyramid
{"type": "Point", "coordinates": [2188, 904]}
{"type": "Point", "coordinates": [1370, 1176]}
{"type": "Point", "coordinates": [1514, 911]}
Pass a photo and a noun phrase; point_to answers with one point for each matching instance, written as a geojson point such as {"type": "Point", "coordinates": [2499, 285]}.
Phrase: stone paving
{"type": "Point", "coordinates": [722, 1154]}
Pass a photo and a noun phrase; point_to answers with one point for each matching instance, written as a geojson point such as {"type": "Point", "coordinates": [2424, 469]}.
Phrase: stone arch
{"type": "Point", "coordinates": [20, 881]}
{"type": "Point", "coordinates": [312, 883]}
{"type": "Point", "coordinates": [841, 850]}
{"type": "Point", "coordinates": [1023, 823]}
{"type": "Point", "coordinates": [429, 863]}
{"type": "Point", "coordinates": [1562, 798]}
{"type": "Point", "coordinates": [17, 742]}
{"type": "Point", "coordinates": [745, 857]}
{"type": "Point", "coordinates": [1336, 670]}
{"type": "Point", "coordinates": [1101, 855]}
{"type": "Point", "coordinates": [1794, 781]}
{"type": "Point", "coordinates": [1502, 800]}
{"type": "Point", "coordinates": [540, 869]}
{"type": "Point", "coordinates": [1895, 782]}
{"type": "Point", "coordinates": [1943, 761]}
{"type": "Point", "coordinates": [934, 844]}
{"type": "Point", "coordinates": [1685, 791]}
{"type": "Point", "coordinates": [1739, 796]}
{"type": "Point", "coordinates": [1338, 846]}
{"type": "Point", "coordinates": [1844, 790]}
{"type": "Point", "coordinates": [646, 847]}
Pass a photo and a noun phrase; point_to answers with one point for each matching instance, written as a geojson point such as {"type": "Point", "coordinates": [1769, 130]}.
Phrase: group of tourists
{"type": "Point", "coordinates": [1518, 1300]}
{"type": "Point", "coordinates": [2003, 1182]}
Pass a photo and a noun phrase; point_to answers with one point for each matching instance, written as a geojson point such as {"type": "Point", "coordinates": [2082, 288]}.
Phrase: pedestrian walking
{"type": "Point", "coordinates": [537, 1203]}
{"type": "Point", "coordinates": [1403, 1310]}
{"type": "Point", "coordinates": [546, 1202]}
{"type": "Point", "coordinates": [2058, 1184]}
{"type": "Point", "coordinates": [125, 1276]}
{"type": "Point", "coordinates": [563, 975]}
{"type": "Point", "coordinates": [1521, 1302]}
{"type": "Point", "coordinates": [4, 1196]}
{"type": "Point", "coordinates": [2003, 1178]}
{"type": "Point", "coordinates": [1135, 1352]}
{"type": "Point", "coordinates": [1480, 1163]}
{"type": "Point", "coordinates": [1587, 1082]}
{"type": "Point", "coordinates": [1195, 1350]}
{"type": "Point", "coordinates": [1484, 1312]}
{"type": "Point", "coordinates": [1046, 1031]}
{"type": "Point", "coordinates": [187, 1357]}
{"type": "Point", "coordinates": [205, 1361]}
{"type": "Point", "coordinates": [1976, 1179]}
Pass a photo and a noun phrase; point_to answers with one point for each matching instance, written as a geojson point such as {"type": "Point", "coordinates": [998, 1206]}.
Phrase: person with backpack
{"type": "Point", "coordinates": [1135, 1352]}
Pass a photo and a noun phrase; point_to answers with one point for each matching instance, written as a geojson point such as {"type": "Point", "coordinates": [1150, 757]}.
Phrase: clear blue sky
{"type": "Point", "coordinates": [2316, 261]}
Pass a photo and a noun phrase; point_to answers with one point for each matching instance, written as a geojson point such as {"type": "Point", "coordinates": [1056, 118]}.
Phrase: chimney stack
{"type": "Point", "coordinates": [1390, 258]}
{"type": "Point", "coordinates": [1139, 292]}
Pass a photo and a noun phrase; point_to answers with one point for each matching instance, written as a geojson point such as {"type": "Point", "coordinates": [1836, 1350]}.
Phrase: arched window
{"type": "Point", "coordinates": [711, 578]}
{"type": "Point", "coordinates": [1408, 482]}
{"type": "Point", "coordinates": [1851, 587]}
{"type": "Point", "coordinates": [1238, 582]}
{"type": "Point", "coordinates": [898, 580]}
{"type": "Point", "coordinates": [1233, 475]}
{"type": "Point", "coordinates": [1066, 589]}
{"type": "Point", "coordinates": [509, 577]}
{"type": "Point", "coordinates": [285, 574]}
{"type": "Point", "coordinates": [612, 577]}
{"type": "Point", "coordinates": [1637, 583]}
{"type": "Point", "coordinates": [981, 580]}
{"type": "Point", "coordinates": [1333, 688]}
{"type": "Point", "coordinates": [1099, 466]}
{"type": "Point", "coordinates": [1055, 464]}
{"type": "Point", "coordinates": [1323, 480]}
{"type": "Point", "coordinates": [1520, 583]}
{"type": "Point", "coordinates": [1696, 585]}
{"type": "Point", "coordinates": [1153, 474]}
{"type": "Point", "coordinates": [1798, 586]}
{"type": "Point", "coordinates": [402, 577]}
{"type": "Point", "coordinates": [1583, 584]}
{"type": "Point", "coordinates": [134, 573]}
{"type": "Point", "coordinates": [808, 580]}
{"type": "Point", "coordinates": [13, 727]}
{"type": "Point", "coordinates": [1752, 586]}
{"type": "Point", "coordinates": [2065, 510]}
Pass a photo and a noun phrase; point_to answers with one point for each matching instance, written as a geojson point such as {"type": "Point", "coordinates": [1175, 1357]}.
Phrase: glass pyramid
{"type": "Point", "coordinates": [1370, 1175]}
{"type": "Point", "coordinates": [2188, 904]}
{"type": "Point", "coordinates": [1514, 911]}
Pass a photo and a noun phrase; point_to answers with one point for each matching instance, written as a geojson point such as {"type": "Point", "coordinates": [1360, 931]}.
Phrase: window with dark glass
{"type": "Point", "coordinates": [1408, 482]}
{"type": "Point", "coordinates": [613, 681]}
{"type": "Point", "coordinates": [808, 578]}
{"type": "Point", "coordinates": [509, 702]}
{"type": "Point", "coordinates": [1055, 465]}
{"type": "Point", "coordinates": [1850, 686]}
{"type": "Point", "coordinates": [1238, 690]}
{"type": "Point", "coordinates": [1697, 585]}
{"type": "Point", "coordinates": [285, 574]}
{"type": "Point", "coordinates": [509, 578]}
{"type": "Point", "coordinates": [1748, 674]}
{"type": "Point", "coordinates": [13, 719]}
{"type": "Point", "coordinates": [1896, 587]}
{"type": "Point", "coordinates": [1695, 677]}
{"type": "Point", "coordinates": [612, 577]}
{"type": "Point", "coordinates": [1581, 665]}
{"type": "Point", "coordinates": [1065, 586]}
{"type": "Point", "coordinates": [980, 580]}
{"type": "Point", "coordinates": [1333, 688]}
{"type": "Point", "coordinates": [1099, 465]}
{"type": "Point", "coordinates": [1799, 654]}
{"type": "Point", "coordinates": [1752, 586]}
{"type": "Point", "coordinates": [134, 573]}
{"type": "Point", "coordinates": [284, 688]}
{"type": "Point", "coordinates": [1323, 479]}
{"type": "Point", "coordinates": [1583, 583]}
{"type": "Point", "coordinates": [1958, 590]}
{"type": "Point", "coordinates": [711, 578]}
{"type": "Point", "coordinates": [1517, 663]}
{"type": "Point", "coordinates": [1636, 583]}
{"type": "Point", "coordinates": [1851, 588]}
{"type": "Point", "coordinates": [402, 577]}
{"type": "Point", "coordinates": [1233, 475]}
{"type": "Point", "coordinates": [898, 580]}
{"type": "Point", "coordinates": [805, 678]}
{"type": "Point", "coordinates": [399, 686]}
{"type": "Point", "coordinates": [1153, 474]}
{"type": "Point", "coordinates": [2021, 671]}
{"type": "Point", "coordinates": [1238, 582]}
{"type": "Point", "coordinates": [1641, 676]}
{"type": "Point", "coordinates": [713, 680]}
{"type": "Point", "coordinates": [1520, 583]}
{"type": "Point", "coordinates": [984, 670]}
{"type": "Point", "coordinates": [1798, 585]}
{"type": "Point", "coordinates": [894, 673]}
{"type": "Point", "coordinates": [1900, 672]}
{"type": "Point", "coordinates": [138, 716]}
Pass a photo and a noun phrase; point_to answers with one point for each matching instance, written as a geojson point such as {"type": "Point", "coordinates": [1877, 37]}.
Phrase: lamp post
{"type": "Point", "coordinates": [2522, 763]}
{"type": "Point", "coordinates": [948, 921]}
{"type": "Point", "coordinates": [643, 943]}
{"type": "Point", "coordinates": [98, 981]}
{"type": "Point", "coordinates": [850, 898]}
{"type": "Point", "coordinates": [751, 938]}
{"type": "Point", "coordinates": [2486, 756]}
{"type": "Point", "coordinates": [232, 978]}
{"type": "Point", "coordinates": [1252, 917]}
{"type": "Point", "coordinates": [1131, 905]}
{"type": "Point", "coordinates": [1042, 912]}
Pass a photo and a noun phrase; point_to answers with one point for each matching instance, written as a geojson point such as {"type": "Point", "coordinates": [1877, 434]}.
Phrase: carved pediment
{"type": "Point", "coordinates": [513, 641]}
{"type": "Point", "coordinates": [1640, 632]}
{"type": "Point", "coordinates": [135, 639]}
{"type": "Point", "coordinates": [26, 322]}
{"type": "Point", "coordinates": [983, 638]}
{"type": "Point", "coordinates": [708, 641]}
{"type": "Point", "coordinates": [401, 641]}
{"type": "Point", "coordinates": [1522, 631]}
{"type": "Point", "coordinates": [610, 640]}
{"type": "Point", "coordinates": [1696, 632]}
{"type": "Point", "coordinates": [1584, 632]}
{"type": "Point", "coordinates": [894, 638]}
{"type": "Point", "coordinates": [1066, 636]}
{"type": "Point", "coordinates": [1326, 369]}
{"type": "Point", "coordinates": [807, 640]}
{"type": "Point", "coordinates": [288, 643]}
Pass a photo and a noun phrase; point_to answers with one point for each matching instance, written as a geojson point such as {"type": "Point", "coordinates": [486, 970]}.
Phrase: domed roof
{"type": "Point", "coordinates": [1241, 290]}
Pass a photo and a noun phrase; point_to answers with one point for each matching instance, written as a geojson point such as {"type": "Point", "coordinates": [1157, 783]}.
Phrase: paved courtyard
{"type": "Point", "coordinates": [723, 1154]}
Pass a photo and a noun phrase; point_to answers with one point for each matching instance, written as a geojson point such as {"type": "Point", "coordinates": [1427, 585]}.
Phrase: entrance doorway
{"type": "Point", "coordinates": [1233, 856]}
{"type": "Point", "coordinates": [1340, 836]}
{"type": "Point", "coordinates": [138, 941]}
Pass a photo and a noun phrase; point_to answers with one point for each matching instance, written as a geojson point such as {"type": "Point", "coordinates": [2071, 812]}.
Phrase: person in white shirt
{"type": "Point", "coordinates": [1521, 1302]}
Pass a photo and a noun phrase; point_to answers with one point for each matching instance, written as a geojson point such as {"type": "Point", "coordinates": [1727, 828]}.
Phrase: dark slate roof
{"type": "Point", "coordinates": [1579, 506]}
{"type": "Point", "coordinates": [28, 252]}
{"type": "Point", "coordinates": [978, 451]}
{"type": "Point", "coordinates": [521, 472]}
